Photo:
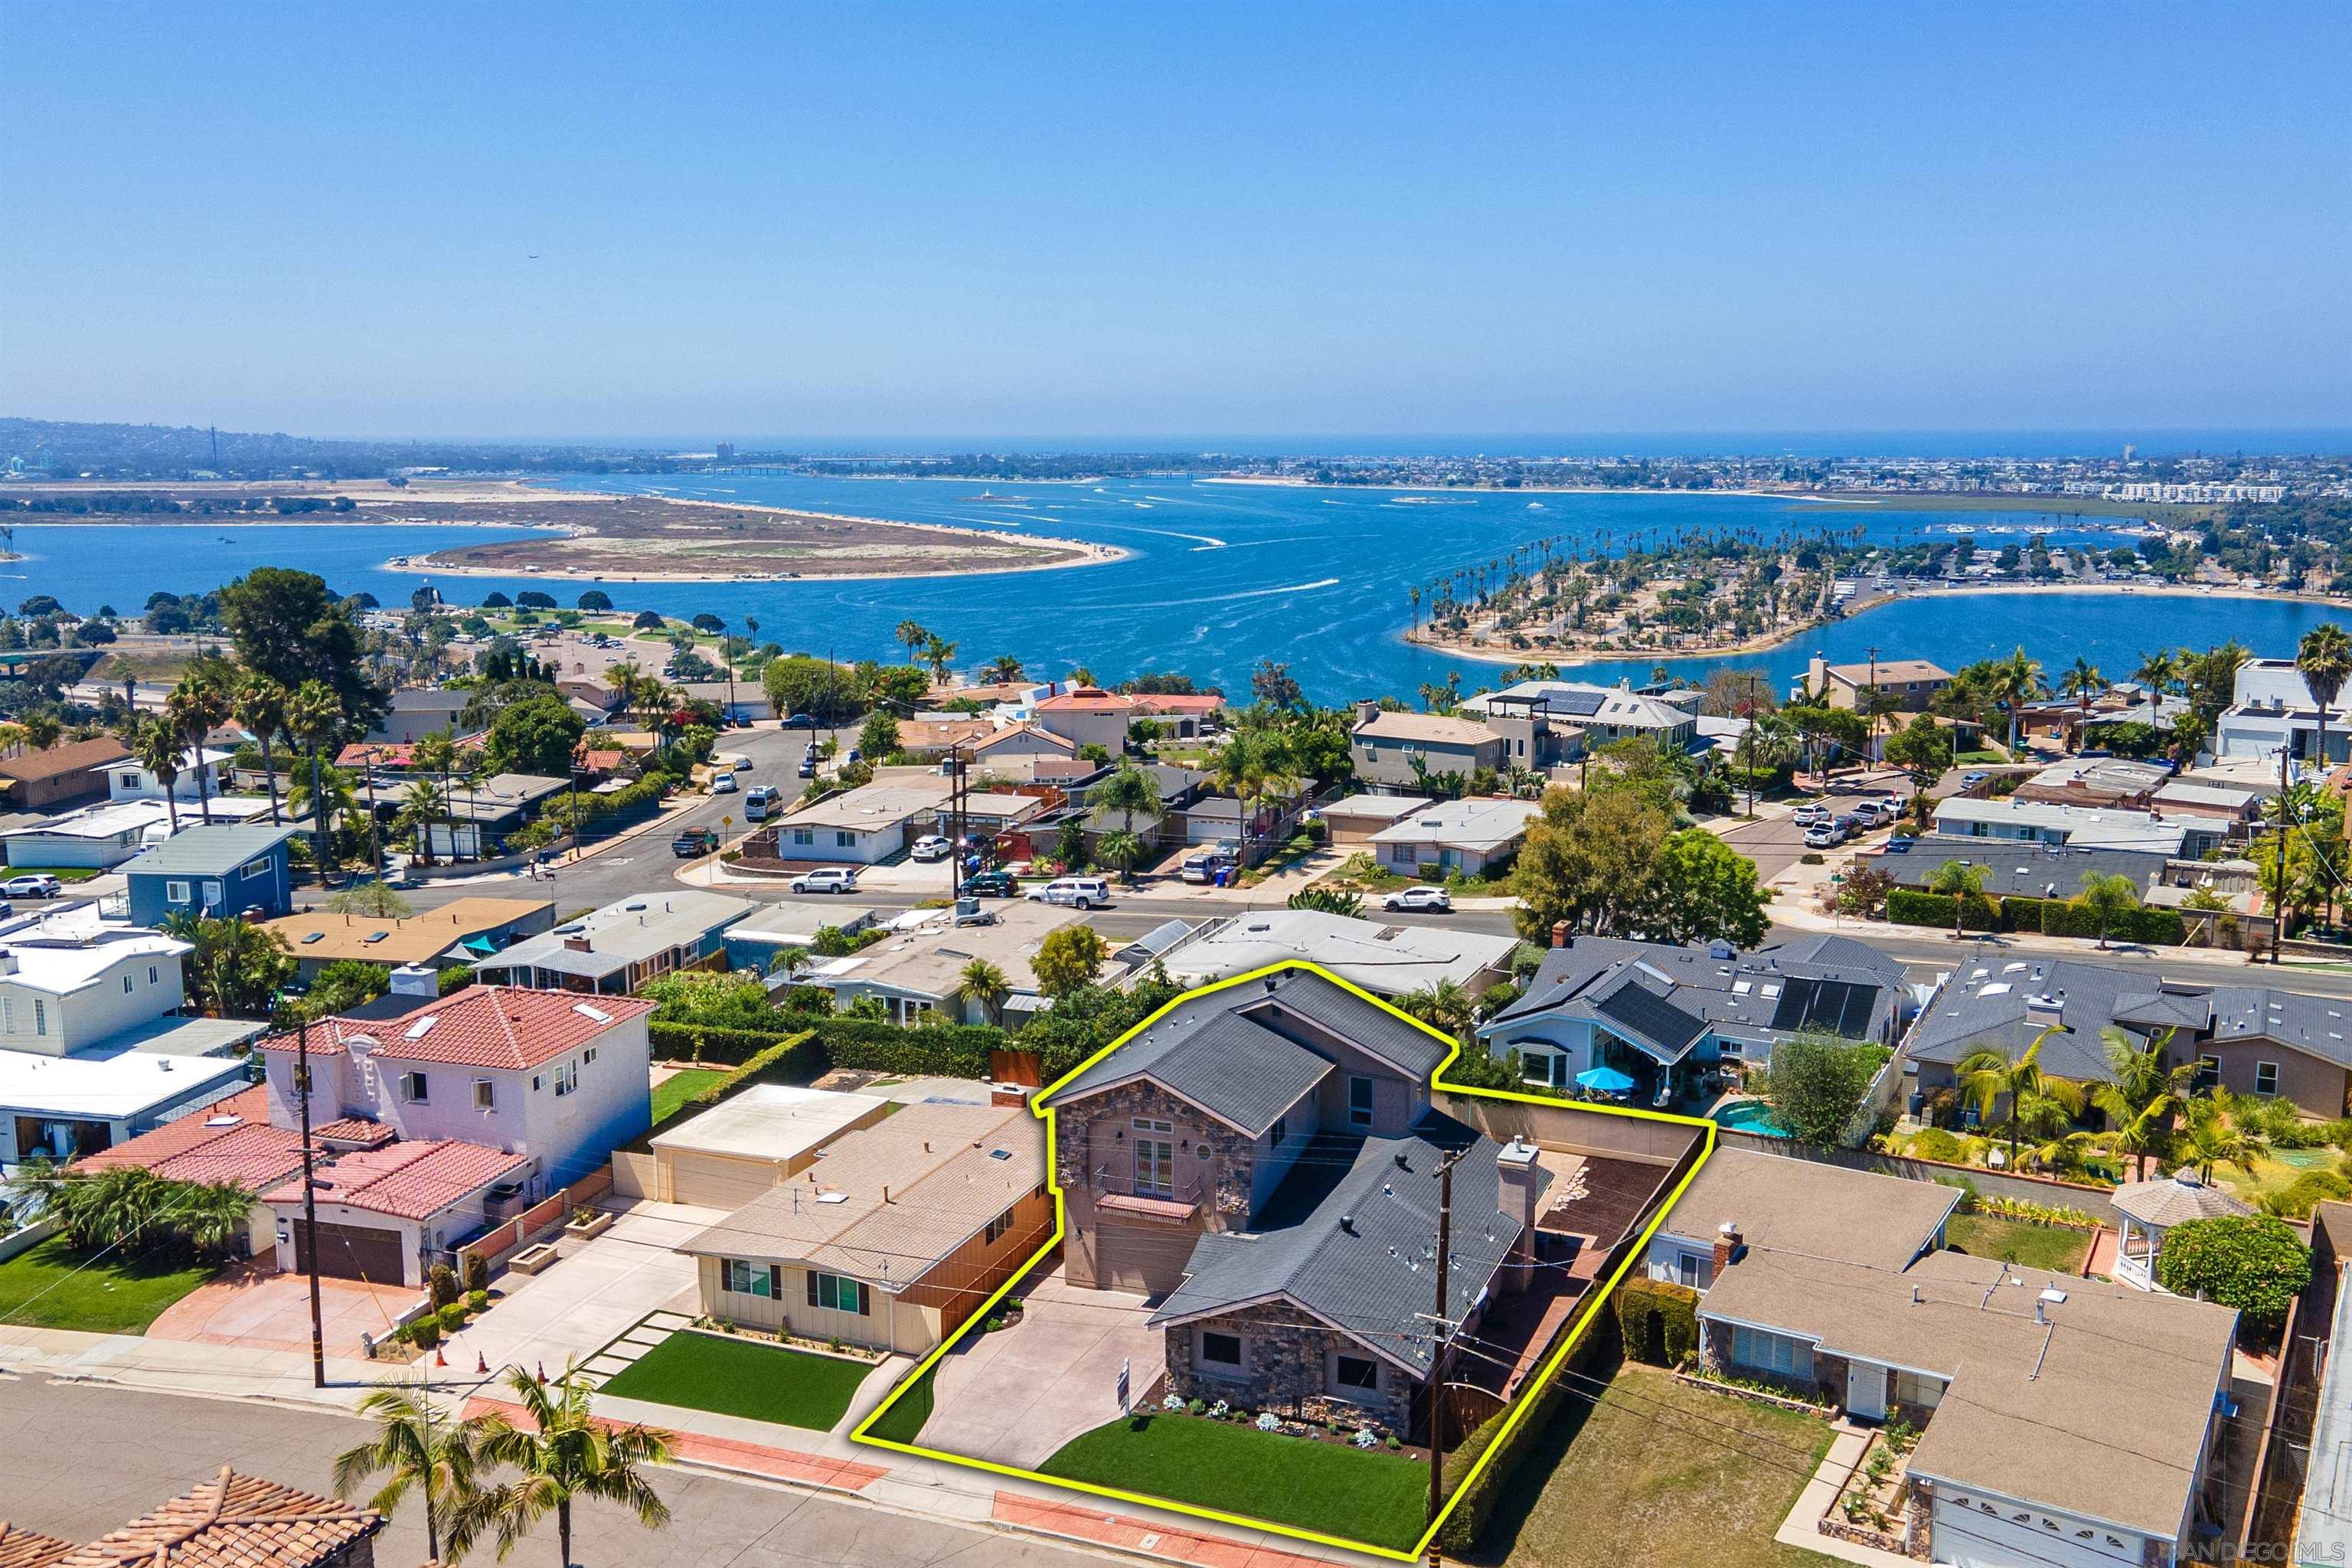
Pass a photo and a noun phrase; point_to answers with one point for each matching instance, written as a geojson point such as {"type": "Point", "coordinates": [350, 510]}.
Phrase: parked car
{"type": "Point", "coordinates": [800, 721]}
{"type": "Point", "coordinates": [693, 842]}
{"type": "Point", "coordinates": [34, 885]}
{"type": "Point", "coordinates": [1077, 893]}
{"type": "Point", "coordinates": [1436, 899]}
{"type": "Point", "coordinates": [757, 800]}
{"type": "Point", "coordinates": [990, 885]}
{"type": "Point", "coordinates": [808, 765]}
{"type": "Point", "coordinates": [1900, 844]}
{"type": "Point", "coordinates": [932, 847]}
{"type": "Point", "coordinates": [826, 879]}
{"type": "Point", "coordinates": [1969, 781]}
{"type": "Point", "coordinates": [1202, 866]}
{"type": "Point", "coordinates": [1828, 835]}
{"type": "Point", "coordinates": [724, 784]}
{"type": "Point", "coordinates": [1809, 814]}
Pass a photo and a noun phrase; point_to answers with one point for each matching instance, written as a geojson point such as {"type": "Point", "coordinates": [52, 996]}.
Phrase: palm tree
{"type": "Point", "coordinates": [2159, 671]}
{"type": "Point", "coordinates": [1123, 848]}
{"type": "Point", "coordinates": [569, 1456]}
{"type": "Point", "coordinates": [421, 805]}
{"type": "Point", "coordinates": [438, 753]}
{"type": "Point", "coordinates": [939, 654]}
{"type": "Point", "coordinates": [314, 715]}
{"type": "Point", "coordinates": [2083, 681]}
{"type": "Point", "coordinates": [2214, 1131]}
{"type": "Point", "coordinates": [913, 636]}
{"type": "Point", "coordinates": [2107, 894]}
{"type": "Point", "coordinates": [1130, 790]}
{"type": "Point", "coordinates": [2142, 1096]}
{"type": "Point", "coordinates": [1001, 671]}
{"type": "Point", "coordinates": [41, 730]}
{"type": "Point", "coordinates": [411, 1448]}
{"type": "Point", "coordinates": [2033, 1099]}
{"type": "Point", "coordinates": [1444, 1004]}
{"type": "Point", "coordinates": [259, 704]}
{"type": "Point", "coordinates": [2325, 658]}
{"type": "Point", "coordinates": [1960, 882]}
{"type": "Point", "coordinates": [985, 984]}
{"type": "Point", "coordinates": [326, 797]}
{"type": "Point", "coordinates": [157, 745]}
{"type": "Point", "coordinates": [195, 707]}
{"type": "Point", "coordinates": [2016, 682]}
{"type": "Point", "coordinates": [1253, 766]}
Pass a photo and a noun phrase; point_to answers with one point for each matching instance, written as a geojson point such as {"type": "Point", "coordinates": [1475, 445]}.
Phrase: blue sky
{"type": "Point", "coordinates": [997, 221]}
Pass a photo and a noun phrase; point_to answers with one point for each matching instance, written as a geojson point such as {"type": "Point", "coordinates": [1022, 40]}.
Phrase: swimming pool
{"type": "Point", "coordinates": [1748, 1116]}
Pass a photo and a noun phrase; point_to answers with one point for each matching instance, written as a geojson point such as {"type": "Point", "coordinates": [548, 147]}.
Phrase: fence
{"type": "Point", "coordinates": [506, 1235]}
{"type": "Point", "coordinates": [2096, 1202]}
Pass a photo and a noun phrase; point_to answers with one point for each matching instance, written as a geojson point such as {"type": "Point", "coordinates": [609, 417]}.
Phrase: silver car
{"type": "Point", "coordinates": [1434, 899]}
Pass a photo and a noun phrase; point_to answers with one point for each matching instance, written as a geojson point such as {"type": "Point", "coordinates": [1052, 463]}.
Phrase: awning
{"type": "Point", "coordinates": [482, 945]}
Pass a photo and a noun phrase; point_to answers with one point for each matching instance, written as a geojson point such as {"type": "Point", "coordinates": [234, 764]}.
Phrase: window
{"type": "Point", "coordinates": [836, 1294]}
{"type": "Point", "coordinates": [587, 1056]}
{"type": "Point", "coordinates": [485, 1094]}
{"type": "Point", "coordinates": [40, 1016]}
{"type": "Point", "coordinates": [413, 1088]}
{"type": "Point", "coordinates": [567, 1079]}
{"type": "Point", "coordinates": [1360, 1103]}
{"type": "Point", "coordinates": [1155, 1159]}
{"type": "Point", "coordinates": [1918, 1390]}
{"type": "Point", "coordinates": [1279, 1133]}
{"type": "Point", "coordinates": [1763, 1351]}
{"type": "Point", "coordinates": [175, 892]}
{"type": "Point", "coordinates": [1355, 1374]}
{"type": "Point", "coordinates": [842, 839]}
{"type": "Point", "coordinates": [1693, 1268]}
{"type": "Point", "coordinates": [1220, 1355]}
{"type": "Point", "coordinates": [126, 986]}
{"type": "Point", "coordinates": [534, 1083]}
{"type": "Point", "coordinates": [2266, 1077]}
{"type": "Point", "coordinates": [804, 835]}
{"type": "Point", "coordinates": [253, 868]}
{"type": "Point", "coordinates": [762, 1280]}
{"type": "Point", "coordinates": [995, 1228]}
{"type": "Point", "coordinates": [2208, 1071]}
{"type": "Point", "coordinates": [151, 974]}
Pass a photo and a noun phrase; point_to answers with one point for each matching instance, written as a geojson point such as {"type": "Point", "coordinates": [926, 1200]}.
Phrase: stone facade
{"type": "Point", "coordinates": [1285, 1369]}
{"type": "Point", "coordinates": [1094, 1154]}
{"type": "Point", "coordinates": [1827, 1385]}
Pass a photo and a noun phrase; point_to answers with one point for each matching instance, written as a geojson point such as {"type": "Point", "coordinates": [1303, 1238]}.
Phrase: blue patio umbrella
{"type": "Point", "coordinates": [1604, 1081]}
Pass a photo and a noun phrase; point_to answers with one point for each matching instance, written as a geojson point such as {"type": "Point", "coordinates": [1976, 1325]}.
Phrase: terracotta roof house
{"type": "Point", "coordinates": [237, 1522]}
{"type": "Point", "coordinates": [891, 1239]}
{"type": "Point", "coordinates": [21, 1547]}
{"type": "Point", "coordinates": [1088, 716]}
{"type": "Point", "coordinates": [2062, 1420]}
{"type": "Point", "coordinates": [460, 931]}
{"type": "Point", "coordinates": [60, 776]}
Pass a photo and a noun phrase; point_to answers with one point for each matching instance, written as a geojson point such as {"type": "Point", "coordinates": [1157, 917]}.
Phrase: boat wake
{"type": "Point", "coordinates": [1259, 593]}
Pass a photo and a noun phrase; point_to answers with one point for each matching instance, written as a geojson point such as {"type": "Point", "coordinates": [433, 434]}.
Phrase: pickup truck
{"type": "Point", "coordinates": [693, 842]}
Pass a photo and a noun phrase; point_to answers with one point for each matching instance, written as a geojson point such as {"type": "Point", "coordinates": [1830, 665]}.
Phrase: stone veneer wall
{"type": "Point", "coordinates": [1088, 1137]}
{"type": "Point", "coordinates": [1284, 1353]}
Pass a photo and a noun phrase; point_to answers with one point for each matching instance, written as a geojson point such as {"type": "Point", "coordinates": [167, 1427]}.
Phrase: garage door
{"type": "Point", "coordinates": [1967, 1537]}
{"type": "Point", "coordinates": [719, 1181]}
{"type": "Point", "coordinates": [1146, 1258]}
{"type": "Point", "coordinates": [353, 1252]}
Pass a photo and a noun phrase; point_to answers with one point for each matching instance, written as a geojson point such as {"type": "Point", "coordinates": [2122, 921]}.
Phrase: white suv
{"type": "Point", "coordinates": [1811, 815]}
{"type": "Point", "coordinates": [33, 885]}
{"type": "Point", "coordinates": [1420, 898]}
{"type": "Point", "coordinates": [826, 879]}
{"type": "Point", "coordinates": [1077, 893]}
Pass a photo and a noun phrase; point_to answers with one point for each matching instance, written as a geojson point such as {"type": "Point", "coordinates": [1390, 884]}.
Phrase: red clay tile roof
{"type": "Point", "coordinates": [406, 1179]}
{"type": "Point", "coordinates": [364, 1131]}
{"type": "Point", "coordinates": [248, 1150]}
{"type": "Point", "coordinates": [24, 1548]}
{"type": "Point", "coordinates": [233, 1521]}
{"type": "Point", "coordinates": [1188, 702]}
{"type": "Point", "coordinates": [482, 1027]}
{"type": "Point", "coordinates": [72, 757]}
{"type": "Point", "coordinates": [1086, 699]}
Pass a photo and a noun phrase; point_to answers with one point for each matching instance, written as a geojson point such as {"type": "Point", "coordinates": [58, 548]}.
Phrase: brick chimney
{"type": "Point", "coordinates": [1008, 1094]}
{"type": "Point", "coordinates": [1515, 1195]}
{"type": "Point", "coordinates": [576, 944]}
{"type": "Point", "coordinates": [1559, 933]}
{"type": "Point", "coordinates": [1727, 1245]}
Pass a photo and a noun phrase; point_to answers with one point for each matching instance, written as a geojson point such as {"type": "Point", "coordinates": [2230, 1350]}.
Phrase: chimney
{"type": "Point", "coordinates": [1366, 710]}
{"type": "Point", "coordinates": [1727, 1245]}
{"type": "Point", "coordinates": [415, 980]}
{"type": "Point", "coordinates": [576, 944]}
{"type": "Point", "coordinates": [1560, 937]}
{"type": "Point", "coordinates": [1007, 1094]}
{"type": "Point", "coordinates": [1515, 1182]}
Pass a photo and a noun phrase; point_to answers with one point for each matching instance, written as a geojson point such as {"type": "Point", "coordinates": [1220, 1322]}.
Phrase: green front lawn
{"type": "Point", "coordinates": [671, 1094]}
{"type": "Point", "coordinates": [2050, 1246]}
{"type": "Point", "coordinates": [62, 873]}
{"type": "Point", "coordinates": [47, 1286]}
{"type": "Point", "coordinates": [1373, 1496]}
{"type": "Point", "coordinates": [749, 1378]}
{"type": "Point", "coordinates": [1657, 1474]}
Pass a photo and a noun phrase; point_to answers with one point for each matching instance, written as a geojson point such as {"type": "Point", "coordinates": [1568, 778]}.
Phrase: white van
{"type": "Point", "coordinates": [1077, 893]}
{"type": "Point", "coordinates": [756, 802]}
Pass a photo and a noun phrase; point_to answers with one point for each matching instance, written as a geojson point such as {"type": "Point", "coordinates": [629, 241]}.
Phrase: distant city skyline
{"type": "Point", "coordinates": [1024, 226]}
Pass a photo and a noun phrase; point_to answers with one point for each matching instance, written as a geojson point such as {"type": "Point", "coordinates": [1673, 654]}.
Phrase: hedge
{"type": "Point", "coordinates": [928, 1050]}
{"type": "Point", "coordinates": [710, 1042]}
{"type": "Point", "coordinates": [2155, 928]}
{"type": "Point", "coordinates": [1675, 1306]}
{"type": "Point", "coordinates": [795, 1058]}
{"type": "Point", "coordinates": [1908, 906]}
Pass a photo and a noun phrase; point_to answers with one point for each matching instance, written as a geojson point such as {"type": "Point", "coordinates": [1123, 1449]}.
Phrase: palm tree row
{"type": "Point", "coordinates": [564, 1456]}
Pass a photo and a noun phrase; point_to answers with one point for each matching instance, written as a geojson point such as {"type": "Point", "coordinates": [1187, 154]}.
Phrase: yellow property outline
{"type": "Point", "coordinates": [1518, 1408]}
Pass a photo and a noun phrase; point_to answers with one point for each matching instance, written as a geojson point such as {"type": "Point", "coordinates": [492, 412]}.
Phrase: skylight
{"type": "Point", "coordinates": [375, 936]}
{"type": "Point", "coordinates": [313, 936]}
{"type": "Point", "coordinates": [423, 1026]}
{"type": "Point", "coordinates": [597, 1014]}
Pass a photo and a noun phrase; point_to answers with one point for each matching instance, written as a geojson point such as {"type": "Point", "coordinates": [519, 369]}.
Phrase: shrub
{"type": "Point", "coordinates": [442, 1280]}
{"type": "Point", "coordinates": [1970, 1200]}
{"type": "Point", "coordinates": [425, 1333]}
{"type": "Point", "coordinates": [1676, 1308]}
{"type": "Point", "coordinates": [1937, 1144]}
{"type": "Point", "coordinates": [937, 1050]}
{"type": "Point", "coordinates": [2300, 1196]}
{"type": "Point", "coordinates": [478, 1274]}
{"type": "Point", "coordinates": [452, 1317]}
{"type": "Point", "coordinates": [795, 1058]}
{"type": "Point", "coordinates": [478, 1300]}
{"type": "Point", "coordinates": [1908, 906]}
{"type": "Point", "coordinates": [2255, 1263]}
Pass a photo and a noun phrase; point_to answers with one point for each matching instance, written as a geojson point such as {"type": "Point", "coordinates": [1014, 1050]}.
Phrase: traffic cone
{"type": "Point", "coordinates": [438, 1359]}
{"type": "Point", "coordinates": [481, 1365]}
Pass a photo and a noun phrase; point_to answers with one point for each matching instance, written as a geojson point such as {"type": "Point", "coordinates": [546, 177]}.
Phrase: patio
{"type": "Point", "coordinates": [1017, 1395]}
{"type": "Point", "coordinates": [255, 1307]}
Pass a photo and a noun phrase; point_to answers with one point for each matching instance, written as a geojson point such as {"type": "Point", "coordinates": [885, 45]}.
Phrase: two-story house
{"type": "Point", "coordinates": [1258, 1159]}
{"type": "Point", "coordinates": [1386, 745]}
{"type": "Point", "coordinates": [200, 771]}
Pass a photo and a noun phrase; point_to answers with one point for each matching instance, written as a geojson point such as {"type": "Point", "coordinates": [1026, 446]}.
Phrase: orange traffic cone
{"type": "Point", "coordinates": [438, 1359]}
{"type": "Point", "coordinates": [481, 1365]}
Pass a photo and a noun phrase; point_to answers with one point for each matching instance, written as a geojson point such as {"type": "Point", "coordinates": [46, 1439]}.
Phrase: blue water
{"type": "Point", "coordinates": [1749, 1116]}
{"type": "Point", "coordinates": [1220, 577]}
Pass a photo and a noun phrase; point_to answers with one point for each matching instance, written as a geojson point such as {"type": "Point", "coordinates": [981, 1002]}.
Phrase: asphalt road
{"type": "Point", "coordinates": [89, 1458]}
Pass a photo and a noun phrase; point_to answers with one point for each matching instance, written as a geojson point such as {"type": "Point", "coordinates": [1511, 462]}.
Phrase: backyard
{"type": "Point", "coordinates": [749, 1378]}
{"type": "Point", "coordinates": [1375, 1497]}
{"type": "Point", "coordinates": [51, 1286]}
{"type": "Point", "coordinates": [2059, 1249]}
{"type": "Point", "coordinates": [1658, 1473]}
{"type": "Point", "coordinates": [671, 1094]}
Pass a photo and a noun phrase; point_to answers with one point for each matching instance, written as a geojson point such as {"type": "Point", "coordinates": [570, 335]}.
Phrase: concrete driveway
{"type": "Point", "coordinates": [259, 1308]}
{"type": "Point", "coordinates": [1016, 1396]}
{"type": "Point", "coordinates": [594, 1292]}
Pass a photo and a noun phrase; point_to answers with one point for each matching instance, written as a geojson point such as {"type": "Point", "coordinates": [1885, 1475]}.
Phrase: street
{"type": "Point", "coordinates": [89, 1458]}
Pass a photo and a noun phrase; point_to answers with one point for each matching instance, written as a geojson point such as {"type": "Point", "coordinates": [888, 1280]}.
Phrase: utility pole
{"type": "Point", "coordinates": [2278, 898]}
{"type": "Point", "coordinates": [1442, 1327]}
{"type": "Point", "coordinates": [959, 825]}
{"type": "Point", "coordinates": [310, 1202]}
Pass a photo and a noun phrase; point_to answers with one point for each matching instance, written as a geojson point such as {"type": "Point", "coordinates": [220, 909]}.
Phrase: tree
{"type": "Point", "coordinates": [314, 717]}
{"type": "Point", "coordinates": [259, 704]}
{"type": "Point", "coordinates": [1068, 959]}
{"type": "Point", "coordinates": [1443, 1004]}
{"type": "Point", "coordinates": [912, 636]}
{"type": "Point", "coordinates": [648, 620]}
{"type": "Point", "coordinates": [196, 705]}
{"type": "Point", "coordinates": [2013, 682]}
{"type": "Point", "coordinates": [235, 969]}
{"type": "Point", "coordinates": [535, 599]}
{"type": "Point", "coordinates": [1815, 1084]}
{"type": "Point", "coordinates": [2142, 1096]}
{"type": "Point", "coordinates": [2218, 1129]}
{"type": "Point", "coordinates": [413, 1449]}
{"type": "Point", "coordinates": [938, 656]}
{"type": "Point", "coordinates": [2017, 1095]}
{"type": "Point", "coordinates": [2083, 681]}
{"type": "Point", "coordinates": [985, 984]}
{"type": "Point", "coordinates": [1586, 861]}
{"type": "Point", "coordinates": [1923, 750]}
{"type": "Point", "coordinates": [1960, 880]}
{"type": "Point", "coordinates": [131, 1210]}
{"type": "Point", "coordinates": [496, 600]}
{"type": "Point", "coordinates": [595, 600]}
{"type": "Point", "coordinates": [1327, 900]}
{"type": "Point", "coordinates": [708, 622]}
{"type": "Point", "coordinates": [2325, 659]}
{"type": "Point", "coordinates": [2106, 896]}
{"type": "Point", "coordinates": [1700, 890]}
{"type": "Point", "coordinates": [1001, 671]}
{"type": "Point", "coordinates": [1273, 684]}
{"type": "Point", "coordinates": [156, 745]}
{"type": "Point", "coordinates": [342, 985]}
{"type": "Point", "coordinates": [2254, 1263]}
{"type": "Point", "coordinates": [373, 899]}
{"type": "Point", "coordinates": [878, 737]}
{"type": "Point", "coordinates": [535, 735]}
{"type": "Point", "coordinates": [1864, 893]}
{"type": "Point", "coordinates": [287, 625]}
{"type": "Point", "coordinates": [567, 1455]}
{"type": "Point", "coordinates": [1131, 791]}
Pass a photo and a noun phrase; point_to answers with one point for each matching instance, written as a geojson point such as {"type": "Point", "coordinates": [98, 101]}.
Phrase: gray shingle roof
{"type": "Point", "coordinates": [1741, 995]}
{"type": "Point", "coordinates": [2035, 870]}
{"type": "Point", "coordinates": [213, 851]}
{"type": "Point", "coordinates": [1363, 1258]}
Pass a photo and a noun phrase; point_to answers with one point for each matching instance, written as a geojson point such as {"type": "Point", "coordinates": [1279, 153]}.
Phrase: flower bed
{"type": "Point", "coordinates": [1353, 1434]}
{"type": "Point", "coordinates": [1873, 1508]}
